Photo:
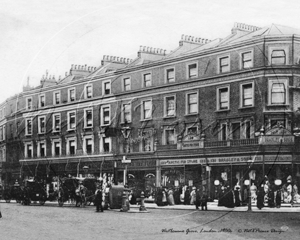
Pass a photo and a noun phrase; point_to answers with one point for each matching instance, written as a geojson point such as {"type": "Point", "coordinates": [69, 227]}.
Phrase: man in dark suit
{"type": "Point", "coordinates": [98, 199]}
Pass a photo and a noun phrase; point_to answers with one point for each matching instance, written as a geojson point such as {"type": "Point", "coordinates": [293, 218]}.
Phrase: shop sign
{"type": "Point", "coordinates": [190, 145]}
{"type": "Point", "coordinates": [235, 159]}
{"type": "Point", "coordinates": [275, 140]}
{"type": "Point", "coordinates": [137, 164]}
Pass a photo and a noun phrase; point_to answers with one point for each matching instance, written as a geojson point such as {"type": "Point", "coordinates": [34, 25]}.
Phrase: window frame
{"type": "Point", "coordinates": [188, 75]}
{"type": "Point", "coordinates": [102, 115]}
{"type": "Point", "coordinates": [86, 87]}
{"type": "Point", "coordinates": [85, 118]}
{"type": "Point", "coordinates": [124, 85]}
{"type": "Point", "coordinates": [242, 95]}
{"type": "Point", "coordinates": [221, 132]}
{"type": "Point", "coordinates": [104, 89]}
{"type": "Point", "coordinates": [187, 103]}
{"type": "Point", "coordinates": [68, 117]}
{"type": "Point", "coordinates": [166, 129]}
{"type": "Point", "coordinates": [219, 98]}
{"type": "Point", "coordinates": [54, 97]}
{"type": "Point", "coordinates": [166, 75]}
{"type": "Point", "coordinates": [242, 59]}
{"type": "Point", "coordinates": [40, 101]}
{"type": "Point", "coordinates": [26, 126]}
{"type": "Point", "coordinates": [123, 113]}
{"type": "Point", "coordinates": [85, 138]}
{"type": "Point", "coordinates": [39, 124]}
{"type": "Point", "coordinates": [219, 63]}
{"type": "Point", "coordinates": [26, 144]}
{"type": "Point", "coordinates": [39, 148]}
{"type": "Point", "coordinates": [282, 81]}
{"type": "Point", "coordinates": [68, 140]}
{"type": "Point", "coordinates": [53, 147]}
{"type": "Point", "coordinates": [143, 110]}
{"type": "Point", "coordinates": [102, 142]}
{"type": "Point", "coordinates": [31, 104]}
{"type": "Point", "coordinates": [69, 94]}
{"type": "Point", "coordinates": [143, 77]}
{"type": "Point", "coordinates": [53, 122]}
{"type": "Point", "coordinates": [166, 106]}
{"type": "Point", "coordinates": [277, 48]}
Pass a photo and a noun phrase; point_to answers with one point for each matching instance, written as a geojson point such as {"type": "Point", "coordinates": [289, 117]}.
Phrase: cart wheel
{"type": "Point", "coordinates": [42, 202]}
{"type": "Point", "coordinates": [7, 200]}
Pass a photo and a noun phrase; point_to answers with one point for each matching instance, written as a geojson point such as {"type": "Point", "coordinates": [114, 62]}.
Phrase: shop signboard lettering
{"type": "Point", "coordinates": [274, 140]}
{"type": "Point", "coordinates": [235, 159]}
{"type": "Point", "coordinates": [190, 145]}
{"type": "Point", "coordinates": [137, 164]}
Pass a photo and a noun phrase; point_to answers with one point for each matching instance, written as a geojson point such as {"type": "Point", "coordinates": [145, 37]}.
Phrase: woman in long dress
{"type": "Point", "coordinates": [171, 197]}
{"type": "Point", "coordinates": [193, 196]}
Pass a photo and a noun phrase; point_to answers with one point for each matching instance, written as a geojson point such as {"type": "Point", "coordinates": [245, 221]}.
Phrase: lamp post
{"type": "Point", "coordinates": [247, 183]}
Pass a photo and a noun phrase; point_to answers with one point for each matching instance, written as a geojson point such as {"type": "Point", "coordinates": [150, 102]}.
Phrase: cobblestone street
{"type": "Point", "coordinates": [53, 222]}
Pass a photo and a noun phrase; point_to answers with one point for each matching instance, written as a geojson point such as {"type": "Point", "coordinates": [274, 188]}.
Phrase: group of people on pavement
{"type": "Point", "coordinates": [184, 195]}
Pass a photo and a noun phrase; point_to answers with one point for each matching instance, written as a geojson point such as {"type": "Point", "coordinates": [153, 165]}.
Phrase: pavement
{"type": "Point", "coordinates": [213, 206]}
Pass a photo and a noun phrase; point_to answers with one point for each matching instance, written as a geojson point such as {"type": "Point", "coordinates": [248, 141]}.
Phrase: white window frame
{"type": "Point", "coordinates": [166, 106]}
{"type": "Point", "coordinates": [53, 123]}
{"type": "Point", "coordinates": [103, 87]}
{"type": "Point", "coordinates": [102, 115]}
{"type": "Point", "coordinates": [242, 59]}
{"type": "Point", "coordinates": [242, 94]}
{"type": "Point", "coordinates": [244, 129]}
{"type": "Point", "coordinates": [142, 146]}
{"type": "Point", "coordinates": [54, 98]}
{"type": "Point", "coordinates": [187, 111]}
{"type": "Point", "coordinates": [86, 92]}
{"type": "Point", "coordinates": [221, 132]}
{"type": "Point", "coordinates": [142, 110]}
{"type": "Point", "coordinates": [123, 112]}
{"type": "Point", "coordinates": [26, 126]}
{"type": "Point", "coordinates": [124, 86]}
{"type": "Point", "coordinates": [53, 147]}
{"type": "Point", "coordinates": [218, 98]}
{"type": "Point", "coordinates": [39, 125]}
{"type": "Point", "coordinates": [68, 140]}
{"type": "Point", "coordinates": [278, 80]}
{"type": "Point", "coordinates": [143, 79]}
{"type": "Point", "coordinates": [284, 48]}
{"type": "Point", "coordinates": [101, 142]}
{"type": "Point", "coordinates": [85, 138]}
{"type": "Point", "coordinates": [188, 70]}
{"type": "Point", "coordinates": [26, 149]}
{"type": "Point", "coordinates": [69, 113]}
{"type": "Point", "coordinates": [40, 101]}
{"type": "Point", "coordinates": [31, 104]}
{"type": "Point", "coordinates": [39, 148]}
{"type": "Point", "coordinates": [219, 63]}
{"type": "Point", "coordinates": [85, 118]}
{"type": "Point", "coordinates": [167, 128]}
{"type": "Point", "coordinates": [166, 75]}
{"type": "Point", "coordinates": [69, 94]}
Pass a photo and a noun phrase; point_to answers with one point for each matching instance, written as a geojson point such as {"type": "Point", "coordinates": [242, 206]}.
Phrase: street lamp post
{"type": "Point", "coordinates": [216, 183]}
{"type": "Point", "coordinates": [247, 183]}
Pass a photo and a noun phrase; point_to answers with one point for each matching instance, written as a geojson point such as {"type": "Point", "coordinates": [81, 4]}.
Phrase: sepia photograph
{"type": "Point", "coordinates": [149, 119]}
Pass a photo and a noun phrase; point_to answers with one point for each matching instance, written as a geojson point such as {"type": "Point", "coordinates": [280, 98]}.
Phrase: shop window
{"type": "Point", "coordinates": [170, 106]}
{"type": "Point", "coordinates": [223, 98]}
{"type": "Point", "coordinates": [170, 75]}
{"type": "Point", "coordinates": [88, 118]}
{"type": "Point", "coordinates": [56, 122]}
{"type": "Point", "coordinates": [147, 80]}
{"type": "Point", "coordinates": [247, 60]}
{"type": "Point", "coordinates": [127, 84]}
{"type": "Point", "coordinates": [192, 70]}
{"type": "Point", "coordinates": [192, 103]}
{"type": "Point", "coordinates": [41, 125]}
{"type": "Point", "coordinates": [247, 95]}
{"type": "Point", "coordinates": [126, 110]}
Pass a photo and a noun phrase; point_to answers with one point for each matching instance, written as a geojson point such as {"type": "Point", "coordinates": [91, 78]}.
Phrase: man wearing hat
{"type": "Point", "coordinates": [98, 199]}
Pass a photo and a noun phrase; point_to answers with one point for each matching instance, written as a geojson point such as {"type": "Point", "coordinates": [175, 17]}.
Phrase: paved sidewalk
{"type": "Point", "coordinates": [213, 206]}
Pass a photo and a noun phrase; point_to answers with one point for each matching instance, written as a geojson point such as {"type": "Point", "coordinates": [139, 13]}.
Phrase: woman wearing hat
{"type": "Point", "coordinates": [193, 196]}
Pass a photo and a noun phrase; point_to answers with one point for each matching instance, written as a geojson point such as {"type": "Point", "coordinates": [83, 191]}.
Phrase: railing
{"type": "Point", "coordinates": [228, 143]}
{"type": "Point", "coordinates": [167, 147]}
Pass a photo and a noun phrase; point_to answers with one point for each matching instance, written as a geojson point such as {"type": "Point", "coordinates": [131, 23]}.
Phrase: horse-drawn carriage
{"type": "Point", "coordinates": [34, 191]}
{"type": "Point", "coordinates": [80, 191]}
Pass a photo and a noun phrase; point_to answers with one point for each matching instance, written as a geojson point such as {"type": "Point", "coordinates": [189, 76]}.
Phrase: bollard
{"type": "Point", "coordinates": [142, 207]}
{"type": "Point", "coordinates": [125, 202]}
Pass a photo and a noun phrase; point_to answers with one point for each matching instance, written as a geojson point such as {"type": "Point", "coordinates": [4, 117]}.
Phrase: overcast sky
{"type": "Point", "coordinates": [40, 35]}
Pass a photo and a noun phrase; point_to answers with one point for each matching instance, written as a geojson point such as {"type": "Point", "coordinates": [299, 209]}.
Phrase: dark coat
{"type": "Point", "coordinates": [260, 198]}
{"type": "Point", "coordinates": [187, 197]}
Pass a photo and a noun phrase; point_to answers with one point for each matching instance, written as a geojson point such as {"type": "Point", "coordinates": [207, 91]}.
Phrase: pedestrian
{"type": "Point", "coordinates": [278, 198]}
{"type": "Point", "coordinates": [198, 198]}
{"type": "Point", "coordinates": [260, 197]}
{"type": "Point", "coordinates": [177, 196]}
{"type": "Point", "coordinates": [193, 196]}
{"type": "Point", "coordinates": [171, 197]}
{"type": "Point", "coordinates": [187, 196]}
{"type": "Point", "coordinates": [237, 198]}
{"type": "Point", "coordinates": [98, 199]}
{"type": "Point", "coordinates": [271, 200]}
{"type": "Point", "coordinates": [164, 197]}
{"type": "Point", "coordinates": [159, 197]}
{"type": "Point", "coordinates": [203, 200]}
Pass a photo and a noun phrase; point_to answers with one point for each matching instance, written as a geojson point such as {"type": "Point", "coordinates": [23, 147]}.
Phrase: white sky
{"type": "Point", "coordinates": [53, 34]}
